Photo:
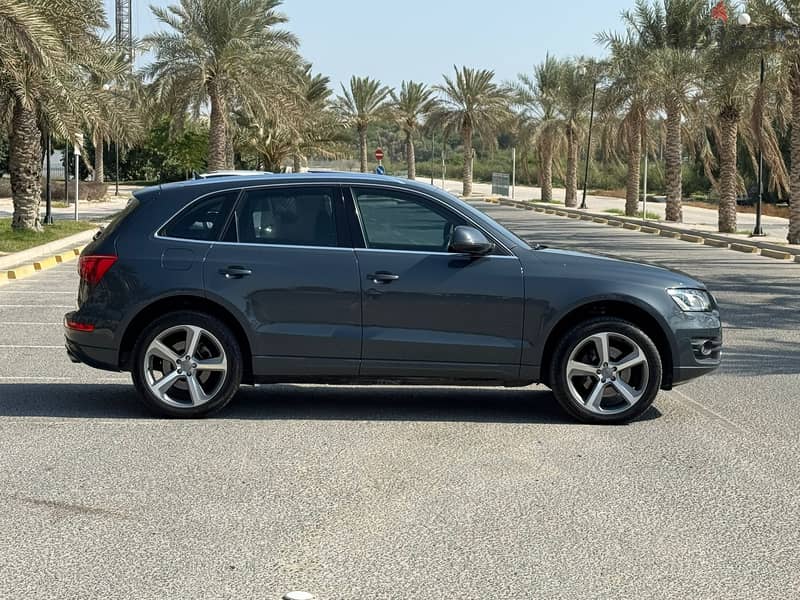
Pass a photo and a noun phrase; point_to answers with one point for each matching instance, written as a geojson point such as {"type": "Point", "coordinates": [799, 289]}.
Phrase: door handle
{"type": "Point", "coordinates": [383, 277]}
{"type": "Point", "coordinates": [235, 272]}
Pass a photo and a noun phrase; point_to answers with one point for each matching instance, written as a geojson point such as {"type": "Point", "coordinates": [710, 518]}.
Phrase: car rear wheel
{"type": "Point", "coordinates": [187, 364]}
{"type": "Point", "coordinates": [606, 370]}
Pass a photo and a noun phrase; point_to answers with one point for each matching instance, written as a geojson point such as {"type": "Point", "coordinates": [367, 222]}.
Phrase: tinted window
{"type": "Point", "coordinates": [399, 221]}
{"type": "Point", "coordinates": [296, 216]}
{"type": "Point", "coordinates": [203, 220]}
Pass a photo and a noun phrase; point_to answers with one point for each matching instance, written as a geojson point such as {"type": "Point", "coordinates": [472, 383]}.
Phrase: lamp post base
{"type": "Point", "coordinates": [758, 232]}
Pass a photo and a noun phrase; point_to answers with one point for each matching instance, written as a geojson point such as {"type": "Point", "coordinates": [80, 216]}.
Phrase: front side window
{"type": "Point", "coordinates": [203, 220]}
{"type": "Point", "coordinates": [295, 216]}
{"type": "Point", "coordinates": [393, 220]}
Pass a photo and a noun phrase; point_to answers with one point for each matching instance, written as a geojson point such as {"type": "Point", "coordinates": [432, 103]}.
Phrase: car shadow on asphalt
{"type": "Point", "coordinates": [296, 402]}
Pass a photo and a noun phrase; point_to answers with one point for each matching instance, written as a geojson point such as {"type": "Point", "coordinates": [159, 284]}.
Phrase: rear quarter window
{"type": "Point", "coordinates": [203, 219]}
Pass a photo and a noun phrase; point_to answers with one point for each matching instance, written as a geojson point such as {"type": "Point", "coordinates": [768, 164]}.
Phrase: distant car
{"type": "Point", "coordinates": [339, 278]}
{"type": "Point", "coordinates": [231, 173]}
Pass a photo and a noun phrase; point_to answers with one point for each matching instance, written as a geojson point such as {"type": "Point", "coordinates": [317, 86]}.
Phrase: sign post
{"type": "Point", "coordinates": [380, 170]}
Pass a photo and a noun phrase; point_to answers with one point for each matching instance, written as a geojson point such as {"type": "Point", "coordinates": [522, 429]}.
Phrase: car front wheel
{"type": "Point", "coordinates": [606, 370]}
{"type": "Point", "coordinates": [187, 364]}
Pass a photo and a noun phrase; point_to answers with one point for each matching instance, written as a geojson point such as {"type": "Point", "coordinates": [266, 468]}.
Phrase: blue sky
{"type": "Point", "coordinates": [421, 39]}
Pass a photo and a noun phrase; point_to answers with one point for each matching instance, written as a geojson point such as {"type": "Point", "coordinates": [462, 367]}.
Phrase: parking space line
{"type": "Point", "coordinates": [705, 410]}
{"type": "Point", "coordinates": [29, 323]}
{"type": "Point", "coordinates": [26, 346]}
{"type": "Point", "coordinates": [33, 292]}
{"type": "Point", "coordinates": [37, 306]}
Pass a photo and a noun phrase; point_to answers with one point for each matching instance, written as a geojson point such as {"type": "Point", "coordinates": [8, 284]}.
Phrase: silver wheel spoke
{"type": "Point", "coordinates": [633, 359]}
{"type": "Point", "coordinates": [212, 364]}
{"type": "Point", "coordinates": [594, 399]}
{"type": "Point", "coordinates": [158, 348]}
{"type": "Point", "coordinates": [163, 385]}
{"type": "Point", "coordinates": [575, 367]}
{"type": "Point", "coordinates": [196, 391]}
{"type": "Point", "coordinates": [627, 392]}
{"type": "Point", "coordinates": [601, 343]}
{"type": "Point", "coordinates": [192, 339]}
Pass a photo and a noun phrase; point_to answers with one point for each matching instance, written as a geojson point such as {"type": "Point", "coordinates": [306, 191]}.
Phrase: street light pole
{"type": "Point", "coordinates": [589, 146]}
{"type": "Point", "coordinates": [116, 182]}
{"type": "Point", "coordinates": [744, 21]}
{"type": "Point", "coordinates": [433, 152]}
{"type": "Point", "coordinates": [757, 230]}
{"type": "Point", "coordinates": [48, 213]}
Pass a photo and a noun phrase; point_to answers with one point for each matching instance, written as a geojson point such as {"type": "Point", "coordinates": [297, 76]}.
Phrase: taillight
{"type": "Point", "coordinates": [76, 326]}
{"type": "Point", "coordinates": [92, 268]}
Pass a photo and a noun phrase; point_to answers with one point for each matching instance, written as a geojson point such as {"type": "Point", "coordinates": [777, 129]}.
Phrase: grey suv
{"type": "Point", "coordinates": [198, 287]}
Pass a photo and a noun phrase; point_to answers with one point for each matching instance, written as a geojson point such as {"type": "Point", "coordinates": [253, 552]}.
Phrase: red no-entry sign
{"type": "Point", "coordinates": [379, 154]}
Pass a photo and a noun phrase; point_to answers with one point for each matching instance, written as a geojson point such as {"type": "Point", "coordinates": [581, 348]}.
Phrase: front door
{"type": "Point", "coordinates": [291, 273]}
{"type": "Point", "coordinates": [427, 311]}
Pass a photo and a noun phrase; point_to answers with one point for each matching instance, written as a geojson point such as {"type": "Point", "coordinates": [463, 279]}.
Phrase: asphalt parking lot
{"type": "Point", "coordinates": [409, 493]}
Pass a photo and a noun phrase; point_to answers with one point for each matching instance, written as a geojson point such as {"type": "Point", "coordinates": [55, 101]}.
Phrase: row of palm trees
{"type": "Point", "coordinates": [673, 74]}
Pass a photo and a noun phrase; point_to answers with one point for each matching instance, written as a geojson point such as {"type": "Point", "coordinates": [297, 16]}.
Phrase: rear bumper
{"type": "Point", "coordinates": [93, 356]}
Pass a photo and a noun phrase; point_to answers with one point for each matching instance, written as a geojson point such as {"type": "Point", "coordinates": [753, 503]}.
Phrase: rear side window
{"type": "Point", "coordinates": [202, 220]}
{"type": "Point", "coordinates": [295, 216]}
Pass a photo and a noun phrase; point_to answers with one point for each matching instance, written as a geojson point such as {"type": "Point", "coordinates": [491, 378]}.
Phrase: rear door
{"type": "Point", "coordinates": [426, 311]}
{"type": "Point", "coordinates": [286, 265]}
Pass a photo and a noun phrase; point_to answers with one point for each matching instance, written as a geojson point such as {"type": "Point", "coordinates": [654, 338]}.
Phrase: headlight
{"type": "Point", "coordinates": [691, 300]}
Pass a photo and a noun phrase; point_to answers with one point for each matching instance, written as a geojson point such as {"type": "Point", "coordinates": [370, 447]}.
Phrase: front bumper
{"type": "Point", "coordinates": [699, 347]}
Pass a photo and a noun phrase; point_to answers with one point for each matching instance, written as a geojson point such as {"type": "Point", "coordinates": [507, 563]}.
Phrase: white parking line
{"type": "Point", "coordinates": [76, 379]}
{"type": "Point", "coordinates": [13, 346]}
{"type": "Point", "coordinates": [37, 306]}
{"type": "Point", "coordinates": [32, 292]}
{"type": "Point", "coordinates": [28, 323]}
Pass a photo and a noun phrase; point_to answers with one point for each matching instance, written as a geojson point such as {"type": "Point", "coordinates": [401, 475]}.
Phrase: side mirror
{"type": "Point", "coordinates": [468, 240]}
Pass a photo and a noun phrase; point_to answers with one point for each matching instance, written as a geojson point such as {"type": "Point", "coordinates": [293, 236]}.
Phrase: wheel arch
{"type": "Point", "coordinates": [185, 302]}
{"type": "Point", "coordinates": [621, 308]}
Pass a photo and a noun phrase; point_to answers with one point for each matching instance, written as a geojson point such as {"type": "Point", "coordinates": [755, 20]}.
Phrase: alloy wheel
{"type": "Point", "coordinates": [185, 366]}
{"type": "Point", "coordinates": [607, 373]}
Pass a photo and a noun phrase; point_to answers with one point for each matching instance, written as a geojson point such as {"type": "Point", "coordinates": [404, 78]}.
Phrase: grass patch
{"type": "Point", "coordinates": [15, 241]}
{"type": "Point", "coordinates": [618, 211]}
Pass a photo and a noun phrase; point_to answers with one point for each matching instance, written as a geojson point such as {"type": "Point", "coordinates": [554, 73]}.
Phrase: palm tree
{"type": "Point", "coordinates": [775, 27]}
{"type": "Point", "coordinates": [414, 102]}
{"type": "Point", "coordinates": [363, 103]}
{"type": "Point", "coordinates": [572, 101]}
{"type": "Point", "coordinates": [317, 123]}
{"type": "Point", "coordinates": [471, 103]}
{"type": "Point", "coordinates": [222, 53]}
{"type": "Point", "coordinates": [629, 99]}
{"type": "Point", "coordinates": [538, 96]}
{"type": "Point", "coordinates": [671, 32]}
{"type": "Point", "coordinates": [50, 52]}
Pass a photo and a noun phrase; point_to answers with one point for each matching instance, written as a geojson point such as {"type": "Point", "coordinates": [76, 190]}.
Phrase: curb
{"type": "Point", "coordinates": [23, 271]}
{"type": "Point", "coordinates": [765, 249]}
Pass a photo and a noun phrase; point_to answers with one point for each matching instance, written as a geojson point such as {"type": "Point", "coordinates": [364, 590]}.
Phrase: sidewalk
{"type": "Point", "coordinates": [701, 219]}
{"type": "Point", "coordinates": [87, 211]}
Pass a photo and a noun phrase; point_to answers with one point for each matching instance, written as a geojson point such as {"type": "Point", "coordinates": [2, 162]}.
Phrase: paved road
{"type": "Point", "coordinates": [694, 217]}
{"type": "Point", "coordinates": [401, 493]}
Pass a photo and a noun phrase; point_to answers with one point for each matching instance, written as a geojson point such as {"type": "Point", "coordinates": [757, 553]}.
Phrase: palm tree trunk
{"type": "Point", "coordinates": [467, 135]}
{"type": "Point", "coordinates": [217, 139]}
{"type": "Point", "coordinates": [411, 158]}
{"type": "Point", "coordinates": [99, 164]}
{"type": "Point", "coordinates": [634, 165]}
{"type": "Point", "coordinates": [571, 197]}
{"type": "Point", "coordinates": [794, 201]}
{"type": "Point", "coordinates": [729, 129]}
{"type": "Point", "coordinates": [297, 162]}
{"type": "Point", "coordinates": [362, 138]}
{"type": "Point", "coordinates": [546, 175]}
{"type": "Point", "coordinates": [25, 168]}
{"type": "Point", "coordinates": [672, 167]}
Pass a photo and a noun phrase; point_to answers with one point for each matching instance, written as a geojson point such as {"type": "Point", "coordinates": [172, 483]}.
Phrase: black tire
{"type": "Point", "coordinates": [570, 342]}
{"type": "Point", "coordinates": [224, 387]}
